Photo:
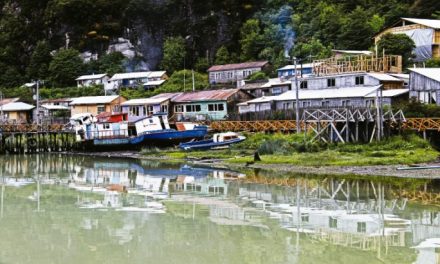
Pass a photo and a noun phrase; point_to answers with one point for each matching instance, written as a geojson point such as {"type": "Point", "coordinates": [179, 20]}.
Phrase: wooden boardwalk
{"type": "Point", "coordinates": [417, 124]}
{"type": "Point", "coordinates": [31, 138]}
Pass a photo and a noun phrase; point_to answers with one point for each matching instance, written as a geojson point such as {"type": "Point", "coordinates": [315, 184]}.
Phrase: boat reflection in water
{"type": "Point", "coordinates": [123, 202]}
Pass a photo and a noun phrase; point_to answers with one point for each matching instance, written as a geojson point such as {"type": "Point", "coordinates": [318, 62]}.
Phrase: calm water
{"type": "Point", "coordinates": [65, 209]}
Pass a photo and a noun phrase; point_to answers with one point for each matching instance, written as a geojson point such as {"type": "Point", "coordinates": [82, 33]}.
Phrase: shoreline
{"type": "Point", "coordinates": [364, 171]}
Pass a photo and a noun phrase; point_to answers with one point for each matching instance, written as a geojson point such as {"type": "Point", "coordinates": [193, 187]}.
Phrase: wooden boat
{"type": "Point", "coordinates": [219, 140]}
{"type": "Point", "coordinates": [112, 132]}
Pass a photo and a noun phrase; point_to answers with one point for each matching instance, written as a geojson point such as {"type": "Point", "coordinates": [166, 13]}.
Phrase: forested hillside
{"type": "Point", "coordinates": [210, 31]}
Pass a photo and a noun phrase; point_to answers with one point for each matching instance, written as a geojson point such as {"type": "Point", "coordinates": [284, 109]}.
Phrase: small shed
{"type": "Point", "coordinates": [16, 112]}
{"type": "Point", "coordinates": [424, 84]}
{"type": "Point", "coordinates": [208, 105]}
{"type": "Point", "coordinates": [96, 104]}
{"type": "Point", "coordinates": [136, 79]}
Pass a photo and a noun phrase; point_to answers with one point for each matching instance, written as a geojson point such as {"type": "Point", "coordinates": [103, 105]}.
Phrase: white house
{"type": "Point", "coordinates": [93, 79]}
{"type": "Point", "coordinates": [424, 84]}
{"type": "Point", "coordinates": [147, 79]}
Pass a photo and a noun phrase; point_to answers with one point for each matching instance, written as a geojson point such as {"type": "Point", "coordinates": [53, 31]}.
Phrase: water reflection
{"type": "Point", "coordinates": [254, 219]}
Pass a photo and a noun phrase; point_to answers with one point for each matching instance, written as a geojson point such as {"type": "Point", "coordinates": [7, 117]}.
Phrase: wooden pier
{"type": "Point", "coordinates": [30, 138]}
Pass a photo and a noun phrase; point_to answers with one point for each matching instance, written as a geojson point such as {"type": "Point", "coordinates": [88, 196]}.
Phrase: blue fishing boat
{"type": "Point", "coordinates": [220, 140]}
{"type": "Point", "coordinates": [113, 132]}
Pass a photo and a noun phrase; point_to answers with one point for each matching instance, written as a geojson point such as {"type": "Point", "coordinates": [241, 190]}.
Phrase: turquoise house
{"type": "Point", "coordinates": [208, 105]}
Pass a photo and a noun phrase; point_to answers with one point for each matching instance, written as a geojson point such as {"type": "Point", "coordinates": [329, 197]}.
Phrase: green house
{"type": "Point", "coordinates": [208, 105]}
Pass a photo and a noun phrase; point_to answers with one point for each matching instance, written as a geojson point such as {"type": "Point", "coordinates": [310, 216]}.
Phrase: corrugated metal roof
{"type": "Point", "coordinates": [166, 95]}
{"type": "Point", "coordinates": [391, 93]}
{"type": "Point", "coordinates": [154, 83]}
{"type": "Point", "coordinates": [91, 77]}
{"type": "Point", "coordinates": [432, 73]}
{"type": "Point", "coordinates": [55, 107]}
{"type": "Point", "coordinates": [432, 23]}
{"type": "Point", "coordinates": [16, 106]}
{"type": "Point", "coordinates": [275, 82]}
{"type": "Point", "coordinates": [144, 101]}
{"type": "Point", "coordinates": [363, 52]}
{"type": "Point", "coordinates": [211, 95]}
{"type": "Point", "coordinates": [238, 66]}
{"type": "Point", "coordinates": [383, 77]}
{"type": "Point", "coordinates": [328, 93]}
{"type": "Point", "coordinates": [58, 100]}
{"type": "Point", "coordinates": [8, 100]}
{"type": "Point", "coordinates": [91, 100]}
{"type": "Point", "coordinates": [137, 75]}
{"type": "Point", "coordinates": [298, 66]}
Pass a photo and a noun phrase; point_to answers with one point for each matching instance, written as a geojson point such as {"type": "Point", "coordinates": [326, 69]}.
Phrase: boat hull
{"type": "Point", "coordinates": [154, 139]}
{"type": "Point", "coordinates": [209, 144]}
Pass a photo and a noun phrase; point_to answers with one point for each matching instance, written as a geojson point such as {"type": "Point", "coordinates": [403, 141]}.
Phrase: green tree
{"type": "Point", "coordinates": [174, 54]}
{"type": "Point", "coordinates": [111, 63]}
{"type": "Point", "coordinates": [397, 44]}
{"type": "Point", "coordinates": [356, 32]}
{"type": "Point", "coordinates": [433, 63]}
{"type": "Point", "coordinates": [202, 64]}
{"type": "Point", "coordinates": [312, 49]}
{"type": "Point", "coordinates": [257, 76]}
{"type": "Point", "coordinates": [38, 67]}
{"type": "Point", "coordinates": [250, 40]}
{"type": "Point", "coordinates": [222, 56]}
{"type": "Point", "coordinates": [65, 67]}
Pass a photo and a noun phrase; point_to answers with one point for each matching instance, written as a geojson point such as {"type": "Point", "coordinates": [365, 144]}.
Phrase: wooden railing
{"type": "Point", "coordinates": [418, 124]}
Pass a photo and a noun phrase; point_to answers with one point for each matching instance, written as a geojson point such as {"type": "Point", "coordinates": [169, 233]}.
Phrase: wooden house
{"type": "Point", "coordinates": [424, 84]}
{"type": "Point", "coordinates": [148, 79]}
{"type": "Point", "coordinates": [208, 105]}
{"type": "Point", "coordinates": [424, 32]}
{"type": "Point", "coordinates": [93, 79]}
{"type": "Point", "coordinates": [138, 108]}
{"type": "Point", "coordinates": [96, 104]}
{"type": "Point", "coordinates": [232, 73]}
{"type": "Point", "coordinates": [16, 112]}
{"type": "Point", "coordinates": [359, 97]}
{"type": "Point", "coordinates": [301, 69]}
{"type": "Point", "coordinates": [273, 86]}
{"type": "Point", "coordinates": [359, 79]}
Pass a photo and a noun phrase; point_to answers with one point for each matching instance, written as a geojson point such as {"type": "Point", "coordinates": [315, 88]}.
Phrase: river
{"type": "Point", "coordinates": [78, 209]}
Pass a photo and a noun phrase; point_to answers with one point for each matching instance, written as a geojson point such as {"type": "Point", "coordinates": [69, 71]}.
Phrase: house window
{"type": "Point", "coordinates": [216, 107]}
{"type": "Point", "coordinates": [303, 85]}
{"type": "Point", "coordinates": [362, 227]}
{"type": "Point", "coordinates": [325, 103]}
{"type": "Point", "coordinates": [164, 108]}
{"type": "Point", "coordinates": [306, 104]}
{"type": "Point", "coordinates": [179, 109]}
{"type": "Point", "coordinates": [332, 222]}
{"type": "Point", "coordinates": [331, 82]}
{"type": "Point", "coordinates": [277, 90]}
{"type": "Point", "coordinates": [134, 110]}
{"type": "Point", "coordinates": [150, 110]}
{"type": "Point", "coordinates": [106, 126]}
{"type": "Point", "coordinates": [359, 80]}
{"type": "Point", "coordinates": [101, 109]}
{"type": "Point", "coordinates": [369, 103]}
{"type": "Point", "coordinates": [305, 218]}
{"type": "Point", "coordinates": [286, 105]}
{"type": "Point", "coordinates": [193, 108]}
{"type": "Point", "coordinates": [346, 103]}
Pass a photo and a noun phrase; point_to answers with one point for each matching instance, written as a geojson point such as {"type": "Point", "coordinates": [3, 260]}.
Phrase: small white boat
{"type": "Point", "coordinates": [219, 140]}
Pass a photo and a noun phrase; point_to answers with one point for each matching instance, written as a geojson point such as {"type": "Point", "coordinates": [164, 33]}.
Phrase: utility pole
{"type": "Point", "coordinates": [193, 83]}
{"type": "Point", "coordinates": [298, 125]}
{"type": "Point", "coordinates": [38, 102]}
{"type": "Point", "coordinates": [1, 108]}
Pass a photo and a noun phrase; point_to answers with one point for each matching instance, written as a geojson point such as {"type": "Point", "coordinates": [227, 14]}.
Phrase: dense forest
{"type": "Point", "coordinates": [177, 34]}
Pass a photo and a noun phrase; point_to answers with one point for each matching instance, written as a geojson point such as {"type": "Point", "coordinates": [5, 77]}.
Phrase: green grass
{"type": "Point", "coordinates": [298, 150]}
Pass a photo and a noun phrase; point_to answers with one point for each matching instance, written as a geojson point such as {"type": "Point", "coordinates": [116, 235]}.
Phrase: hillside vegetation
{"type": "Point", "coordinates": [202, 32]}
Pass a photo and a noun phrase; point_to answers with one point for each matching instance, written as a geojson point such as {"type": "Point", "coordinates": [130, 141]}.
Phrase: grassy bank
{"type": "Point", "coordinates": [298, 150]}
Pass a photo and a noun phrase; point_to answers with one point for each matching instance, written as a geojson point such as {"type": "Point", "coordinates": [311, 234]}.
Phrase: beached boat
{"type": "Point", "coordinates": [114, 132]}
{"type": "Point", "coordinates": [219, 140]}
